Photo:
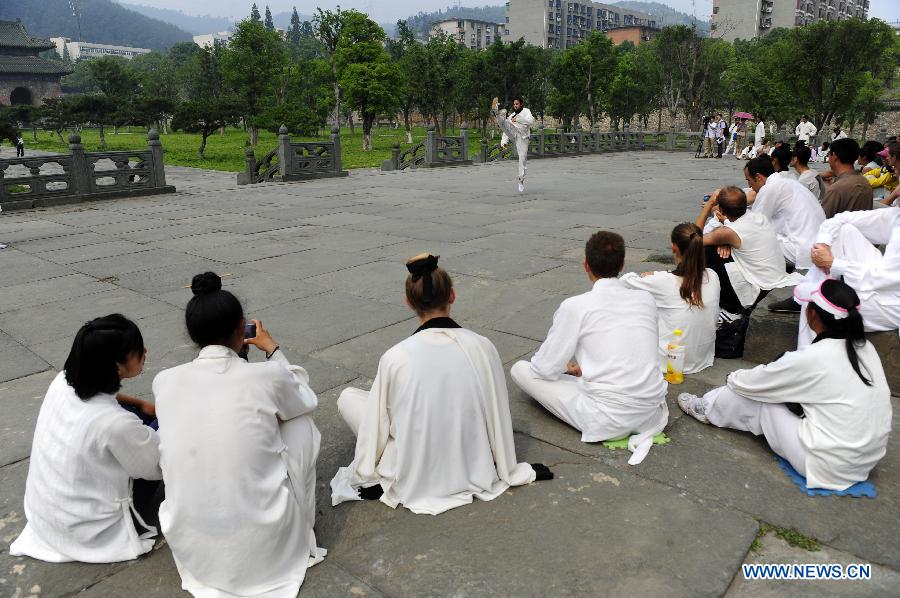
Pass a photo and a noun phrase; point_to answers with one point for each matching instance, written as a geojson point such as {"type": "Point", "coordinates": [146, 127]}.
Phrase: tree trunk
{"type": "Point", "coordinates": [203, 135]}
{"type": "Point", "coordinates": [351, 124]}
{"type": "Point", "coordinates": [34, 132]}
{"type": "Point", "coordinates": [102, 138]}
{"type": "Point", "coordinates": [368, 121]}
{"type": "Point", "coordinates": [254, 135]}
{"type": "Point", "coordinates": [61, 140]}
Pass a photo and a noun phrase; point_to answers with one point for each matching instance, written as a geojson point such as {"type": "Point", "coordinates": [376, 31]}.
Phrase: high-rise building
{"type": "Point", "coordinates": [563, 23]}
{"type": "Point", "coordinates": [471, 33]}
{"type": "Point", "coordinates": [749, 19]}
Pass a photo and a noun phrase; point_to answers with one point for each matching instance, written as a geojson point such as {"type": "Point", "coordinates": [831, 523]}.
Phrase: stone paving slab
{"type": "Point", "coordinates": [321, 263]}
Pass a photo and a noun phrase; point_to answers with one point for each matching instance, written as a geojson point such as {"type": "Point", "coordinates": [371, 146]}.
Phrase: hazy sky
{"type": "Point", "coordinates": [391, 10]}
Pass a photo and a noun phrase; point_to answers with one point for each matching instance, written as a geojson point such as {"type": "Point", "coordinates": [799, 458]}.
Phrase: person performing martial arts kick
{"type": "Point", "coordinates": [845, 248]}
{"type": "Point", "coordinates": [516, 127]}
{"type": "Point", "coordinates": [614, 388]}
{"type": "Point", "coordinates": [435, 429]}
{"type": "Point", "coordinates": [839, 383]}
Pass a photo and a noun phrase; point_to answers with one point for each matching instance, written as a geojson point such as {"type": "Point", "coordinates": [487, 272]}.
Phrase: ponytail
{"type": "Point", "coordinates": [842, 299]}
{"type": "Point", "coordinates": [688, 238]}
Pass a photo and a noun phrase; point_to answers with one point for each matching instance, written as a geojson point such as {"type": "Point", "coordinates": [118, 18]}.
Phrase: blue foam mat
{"type": "Point", "coordinates": [857, 490]}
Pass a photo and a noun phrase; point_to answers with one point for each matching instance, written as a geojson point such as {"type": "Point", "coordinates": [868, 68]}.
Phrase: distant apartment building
{"type": "Point", "coordinates": [209, 40]}
{"type": "Point", "coordinates": [562, 24]}
{"type": "Point", "coordinates": [637, 34]}
{"type": "Point", "coordinates": [87, 50]}
{"type": "Point", "coordinates": [471, 33]}
{"type": "Point", "coordinates": [749, 19]}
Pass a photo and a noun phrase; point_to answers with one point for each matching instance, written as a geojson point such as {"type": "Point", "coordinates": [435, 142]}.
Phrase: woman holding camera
{"type": "Point", "coordinates": [94, 465]}
{"type": "Point", "coordinates": [238, 451]}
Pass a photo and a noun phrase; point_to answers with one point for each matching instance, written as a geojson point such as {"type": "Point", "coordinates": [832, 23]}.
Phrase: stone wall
{"type": "Point", "coordinates": [40, 87]}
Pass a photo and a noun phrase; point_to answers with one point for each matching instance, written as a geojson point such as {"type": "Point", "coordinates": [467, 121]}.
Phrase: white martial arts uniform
{"type": "Point", "coordinates": [874, 277]}
{"type": "Point", "coordinates": [78, 493]}
{"type": "Point", "coordinates": [813, 181]}
{"type": "Point", "coordinates": [845, 431]}
{"type": "Point", "coordinates": [238, 451]}
{"type": "Point", "coordinates": [805, 130]}
{"type": "Point", "coordinates": [794, 212]}
{"type": "Point", "coordinates": [759, 134]}
{"type": "Point", "coordinates": [758, 263]}
{"type": "Point", "coordinates": [697, 324]}
{"type": "Point", "coordinates": [519, 132]}
{"type": "Point", "coordinates": [613, 333]}
{"type": "Point", "coordinates": [435, 430]}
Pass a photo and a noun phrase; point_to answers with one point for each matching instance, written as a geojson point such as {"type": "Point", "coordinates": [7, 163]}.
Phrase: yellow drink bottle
{"type": "Point", "coordinates": [675, 359]}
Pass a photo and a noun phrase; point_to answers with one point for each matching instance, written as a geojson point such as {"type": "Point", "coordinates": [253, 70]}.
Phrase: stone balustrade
{"type": "Point", "coordinates": [435, 151]}
{"type": "Point", "coordinates": [81, 176]}
{"type": "Point", "coordinates": [294, 161]}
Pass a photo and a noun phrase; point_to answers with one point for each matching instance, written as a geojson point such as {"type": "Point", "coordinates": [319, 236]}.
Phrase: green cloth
{"type": "Point", "coordinates": [622, 443]}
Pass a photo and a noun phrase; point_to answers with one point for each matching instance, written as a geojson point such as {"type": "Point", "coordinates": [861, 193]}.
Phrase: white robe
{"type": "Point", "coordinates": [435, 430]}
{"type": "Point", "coordinates": [847, 423]}
{"type": "Point", "coordinates": [78, 492]}
{"type": "Point", "coordinates": [240, 490]}
{"type": "Point", "coordinates": [613, 333]}
{"type": "Point", "coordinates": [758, 263]}
{"type": "Point", "coordinates": [794, 212]}
{"type": "Point", "coordinates": [760, 133]}
{"type": "Point", "coordinates": [874, 277]}
{"type": "Point", "coordinates": [697, 324]}
{"type": "Point", "coordinates": [518, 131]}
{"type": "Point", "coordinates": [805, 130]}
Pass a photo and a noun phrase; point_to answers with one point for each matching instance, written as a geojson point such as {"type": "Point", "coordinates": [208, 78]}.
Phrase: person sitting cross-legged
{"type": "Point", "coordinates": [435, 429]}
{"type": "Point", "coordinates": [838, 381]}
{"type": "Point", "coordinates": [614, 388]}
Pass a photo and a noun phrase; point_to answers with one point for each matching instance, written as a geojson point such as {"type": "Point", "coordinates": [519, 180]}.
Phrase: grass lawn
{"type": "Point", "coordinates": [226, 152]}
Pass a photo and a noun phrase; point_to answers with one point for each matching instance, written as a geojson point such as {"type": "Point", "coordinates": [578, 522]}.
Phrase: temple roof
{"type": "Point", "coordinates": [14, 35]}
{"type": "Point", "coordinates": [30, 65]}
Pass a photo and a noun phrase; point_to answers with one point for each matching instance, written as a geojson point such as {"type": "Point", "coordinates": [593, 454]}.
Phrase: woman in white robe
{"type": "Point", "coordinates": [516, 127]}
{"type": "Point", "coordinates": [839, 382]}
{"type": "Point", "coordinates": [88, 451]}
{"type": "Point", "coordinates": [238, 450]}
{"type": "Point", "coordinates": [435, 429]}
{"type": "Point", "coordinates": [687, 299]}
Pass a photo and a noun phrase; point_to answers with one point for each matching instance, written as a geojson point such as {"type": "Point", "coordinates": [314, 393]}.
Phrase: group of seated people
{"type": "Point", "coordinates": [235, 443]}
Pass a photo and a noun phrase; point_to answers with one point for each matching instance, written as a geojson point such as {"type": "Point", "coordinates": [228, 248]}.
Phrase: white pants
{"type": "Point", "coordinates": [851, 245]}
{"type": "Point", "coordinates": [351, 405]}
{"type": "Point", "coordinates": [561, 398]}
{"type": "Point", "coordinates": [781, 428]}
{"type": "Point", "coordinates": [520, 142]}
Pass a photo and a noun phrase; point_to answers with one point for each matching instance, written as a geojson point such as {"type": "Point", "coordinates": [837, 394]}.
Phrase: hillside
{"type": "Point", "coordinates": [195, 24]}
{"type": "Point", "coordinates": [665, 15]}
{"type": "Point", "coordinates": [102, 21]}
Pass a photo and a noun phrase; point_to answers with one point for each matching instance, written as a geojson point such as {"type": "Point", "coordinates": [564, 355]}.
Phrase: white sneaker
{"type": "Point", "coordinates": [726, 317]}
{"type": "Point", "coordinates": [521, 187]}
{"type": "Point", "coordinates": [693, 406]}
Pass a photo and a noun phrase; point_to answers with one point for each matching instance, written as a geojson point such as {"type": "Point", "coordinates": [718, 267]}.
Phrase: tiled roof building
{"type": "Point", "coordinates": [25, 77]}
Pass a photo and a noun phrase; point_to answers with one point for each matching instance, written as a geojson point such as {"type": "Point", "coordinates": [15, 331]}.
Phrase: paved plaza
{"type": "Point", "coordinates": [321, 263]}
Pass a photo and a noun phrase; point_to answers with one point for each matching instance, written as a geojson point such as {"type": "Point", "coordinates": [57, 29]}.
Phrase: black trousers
{"type": "Point", "coordinates": [728, 299]}
{"type": "Point", "coordinates": [20, 151]}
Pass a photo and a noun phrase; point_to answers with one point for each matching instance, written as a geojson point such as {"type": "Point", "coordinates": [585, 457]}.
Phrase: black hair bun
{"type": "Point", "coordinates": [206, 283]}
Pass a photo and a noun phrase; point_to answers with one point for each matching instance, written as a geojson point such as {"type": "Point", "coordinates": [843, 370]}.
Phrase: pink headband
{"type": "Point", "coordinates": [819, 299]}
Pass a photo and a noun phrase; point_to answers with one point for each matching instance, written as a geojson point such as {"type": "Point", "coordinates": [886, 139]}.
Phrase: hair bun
{"type": "Point", "coordinates": [206, 283]}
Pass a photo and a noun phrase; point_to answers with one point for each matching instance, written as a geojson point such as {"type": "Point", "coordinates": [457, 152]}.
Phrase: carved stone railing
{"type": "Point", "coordinates": [294, 161]}
{"type": "Point", "coordinates": [80, 176]}
{"type": "Point", "coordinates": [575, 142]}
{"type": "Point", "coordinates": [435, 151]}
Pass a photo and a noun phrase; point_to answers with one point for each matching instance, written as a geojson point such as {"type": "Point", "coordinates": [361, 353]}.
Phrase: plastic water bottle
{"type": "Point", "coordinates": [675, 359]}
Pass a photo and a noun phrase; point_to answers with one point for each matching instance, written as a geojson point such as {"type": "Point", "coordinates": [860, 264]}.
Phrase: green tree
{"type": "Point", "coordinates": [634, 87]}
{"type": "Point", "coordinates": [407, 54]}
{"type": "Point", "coordinates": [535, 83]}
{"type": "Point", "coordinates": [679, 51]}
{"type": "Point", "coordinates": [368, 77]}
{"type": "Point", "coordinates": [96, 109]}
{"type": "Point", "coordinates": [294, 34]}
{"type": "Point", "coordinates": [254, 14]}
{"type": "Point", "coordinates": [118, 85]}
{"type": "Point", "coordinates": [436, 85]}
{"type": "Point", "coordinates": [57, 115]}
{"type": "Point", "coordinates": [591, 64]}
{"type": "Point", "coordinates": [327, 26]}
{"type": "Point", "coordinates": [269, 23]}
{"type": "Point", "coordinates": [254, 66]}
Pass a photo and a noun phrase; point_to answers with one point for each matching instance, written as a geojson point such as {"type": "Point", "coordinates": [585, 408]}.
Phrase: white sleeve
{"type": "Point", "coordinates": [784, 380]}
{"type": "Point", "coordinates": [525, 117]}
{"type": "Point", "coordinates": [135, 446]}
{"type": "Point", "coordinates": [291, 389]}
{"type": "Point", "coordinates": [797, 130]}
{"type": "Point", "coordinates": [812, 129]}
{"type": "Point", "coordinates": [882, 276]}
{"type": "Point", "coordinates": [558, 348]}
{"type": "Point", "coordinates": [876, 225]}
{"type": "Point", "coordinates": [633, 280]}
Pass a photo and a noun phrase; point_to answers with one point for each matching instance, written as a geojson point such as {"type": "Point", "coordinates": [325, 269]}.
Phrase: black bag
{"type": "Point", "coordinates": [730, 338]}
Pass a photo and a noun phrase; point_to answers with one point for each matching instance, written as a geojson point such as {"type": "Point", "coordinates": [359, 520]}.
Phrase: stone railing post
{"type": "Point", "coordinates": [2, 186]}
{"type": "Point", "coordinates": [285, 155]}
{"type": "Point", "coordinates": [625, 131]}
{"type": "Point", "coordinates": [595, 140]}
{"type": "Point", "coordinates": [541, 142]}
{"type": "Point", "coordinates": [81, 179]}
{"type": "Point", "coordinates": [784, 134]}
{"type": "Point", "coordinates": [579, 138]}
{"type": "Point", "coordinates": [484, 150]}
{"type": "Point", "coordinates": [882, 135]}
{"type": "Point", "coordinates": [430, 146]}
{"type": "Point", "coordinates": [246, 177]}
{"type": "Point", "coordinates": [157, 167]}
{"type": "Point", "coordinates": [464, 134]}
{"type": "Point", "coordinates": [336, 150]}
{"type": "Point", "coordinates": [670, 138]}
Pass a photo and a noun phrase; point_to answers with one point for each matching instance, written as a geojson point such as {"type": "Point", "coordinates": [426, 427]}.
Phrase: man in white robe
{"type": "Point", "coordinates": [616, 388]}
{"type": "Point", "coordinates": [805, 130]}
{"type": "Point", "coordinates": [845, 247]}
{"type": "Point", "coordinates": [516, 127]}
{"type": "Point", "coordinates": [435, 429]}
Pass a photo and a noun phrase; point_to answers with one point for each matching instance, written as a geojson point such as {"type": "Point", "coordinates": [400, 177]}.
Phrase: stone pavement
{"type": "Point", "coordinates": [321, 264]}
